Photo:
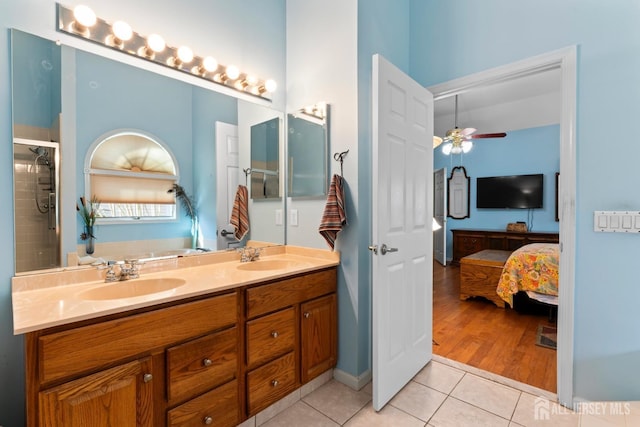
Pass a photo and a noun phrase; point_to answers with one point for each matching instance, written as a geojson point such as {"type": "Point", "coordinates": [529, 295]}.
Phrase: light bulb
{"type": "Point", "coordinates": [270, 85]}
{"type": "Point", "coordinates": [156, 43]}
{"type": "Point", "coordinates": [185, 54]}
{"type": "Point", "coordinates": [252, 80]}
{"type": "Point", "coordinates": [241, 84]}
{"type": "Point", "coordinates": [466, 146]}
{"type": "Point", "coordinates": [84, 16]}
{"type": "Point", "coordinates": [456, 150]}
{"type": "Point", "coordinates": [233, 72]}
{"type": "Point", "coordinates": [446, 148]}
{"type": "Point", "coordinates": [210, 64]}
{"type": "Point", "coordinates": [122, 31]}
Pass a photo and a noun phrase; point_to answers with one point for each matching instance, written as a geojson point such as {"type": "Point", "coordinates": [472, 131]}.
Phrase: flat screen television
{"type": "Point", "coordinates": [509, 192]}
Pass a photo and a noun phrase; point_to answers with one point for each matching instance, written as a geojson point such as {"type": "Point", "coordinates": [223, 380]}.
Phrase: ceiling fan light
{"type": "Point", "coordinates": [466, 146]}
{"type": "Point", "coordinates": [456, 149]}
{"type": "Point", "coordinates": [446, 148]}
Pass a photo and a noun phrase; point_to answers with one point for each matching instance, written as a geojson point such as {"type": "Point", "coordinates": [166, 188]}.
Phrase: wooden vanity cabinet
{"type": "Point", "coordinates": [291, 335]}
{"type": "Point", "coordinates": [216, 360]}
{"type": "Point", "coordinates": [142, 369]}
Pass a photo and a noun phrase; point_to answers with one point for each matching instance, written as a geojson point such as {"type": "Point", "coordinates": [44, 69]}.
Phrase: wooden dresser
{"type": "Point", "coordinates": [467, 242]}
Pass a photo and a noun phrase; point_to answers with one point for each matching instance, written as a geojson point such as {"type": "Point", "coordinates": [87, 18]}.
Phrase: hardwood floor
{"type": "Point", "coordinates": [479, 334]}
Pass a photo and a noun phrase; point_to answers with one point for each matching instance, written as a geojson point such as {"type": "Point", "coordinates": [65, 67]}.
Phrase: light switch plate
{"type": "Point", "coordinates": [278, 216]}
{"type": "Point", "coordinates": [616, 221]}
{"type": "Point", "coordinates": [294, 217]}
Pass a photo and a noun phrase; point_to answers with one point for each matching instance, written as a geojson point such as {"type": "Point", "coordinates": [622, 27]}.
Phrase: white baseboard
{"type": "Point", "coordinates": [351, 381]}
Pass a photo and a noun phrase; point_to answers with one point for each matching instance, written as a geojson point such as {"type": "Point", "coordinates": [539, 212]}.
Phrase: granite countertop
{"type": "Point", "coordinates": [56, 298]}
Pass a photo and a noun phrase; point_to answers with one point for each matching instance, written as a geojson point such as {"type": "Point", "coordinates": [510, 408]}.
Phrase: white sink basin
{"type": "Point", "coordinates": [132, 288]}
{"type": "Point", "coordinates": [266, 265]}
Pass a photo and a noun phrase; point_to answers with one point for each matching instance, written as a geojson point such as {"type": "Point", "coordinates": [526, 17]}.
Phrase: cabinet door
{"type": "Point", "coordinates": [318, 336]}
{"type": "Point", "coordinates": [120, 396]}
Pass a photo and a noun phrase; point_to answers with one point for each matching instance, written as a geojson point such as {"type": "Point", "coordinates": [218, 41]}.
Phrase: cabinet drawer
{"type": "Point", "coordinates": [267, 298]}
{"type": "Point", "coordinates": [471, 244]}
{"type": "Point", "coordinates": [270, 336]}
{"type": "Point", "coordinates": [201, 364]}
{"type": "Point", "coordinates": [271, 382]}
{"type": "Point", "coordinates": [89, 347]}
{"type": "Point", "coordinates": [218, 408]}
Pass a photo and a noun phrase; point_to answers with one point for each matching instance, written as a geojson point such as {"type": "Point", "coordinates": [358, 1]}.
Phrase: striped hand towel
{"type": "Point", "coordinates": [240, 212]}
{"type": "Point", "coordinates": [334, 216]}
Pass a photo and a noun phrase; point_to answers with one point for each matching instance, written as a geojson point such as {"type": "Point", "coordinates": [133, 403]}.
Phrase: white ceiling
{"type": "Point", "coordinates": [520, 103]}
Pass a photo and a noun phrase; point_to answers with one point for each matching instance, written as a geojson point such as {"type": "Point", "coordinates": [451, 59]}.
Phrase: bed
{"type": "Point", "coordinates": [532, 269]}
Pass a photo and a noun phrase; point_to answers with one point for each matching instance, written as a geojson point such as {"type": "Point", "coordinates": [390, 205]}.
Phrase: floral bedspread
{"type": "Point", "coordinates": [533, 267]}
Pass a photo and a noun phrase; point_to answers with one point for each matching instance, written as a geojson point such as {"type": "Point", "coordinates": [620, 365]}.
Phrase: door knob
{"type": "Point", "coordinates": [225, 233]}
{"type": "Point", "coordinates": [384, 249]}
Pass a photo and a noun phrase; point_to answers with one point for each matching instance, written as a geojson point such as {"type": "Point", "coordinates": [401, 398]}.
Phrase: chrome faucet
{"type": "Point", "coordinates": [129, 269]}
{"type": "Point", "coordinates": [248, 254]}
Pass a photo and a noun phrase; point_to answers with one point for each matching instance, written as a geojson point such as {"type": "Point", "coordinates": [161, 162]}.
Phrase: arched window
{"type": "Point", "coordinates": [129, 173]}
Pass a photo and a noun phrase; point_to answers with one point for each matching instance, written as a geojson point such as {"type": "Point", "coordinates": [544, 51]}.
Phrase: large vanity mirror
{"type": "Point", "coordinates": [92, 96]}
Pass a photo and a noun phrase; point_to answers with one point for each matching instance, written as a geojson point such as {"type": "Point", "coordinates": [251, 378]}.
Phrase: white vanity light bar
{"type": "Point", "coordinates": [81, 22]}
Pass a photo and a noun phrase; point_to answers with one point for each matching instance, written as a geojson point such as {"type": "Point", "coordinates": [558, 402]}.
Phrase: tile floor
{"type": "Point", "coordinates": [445, 393]}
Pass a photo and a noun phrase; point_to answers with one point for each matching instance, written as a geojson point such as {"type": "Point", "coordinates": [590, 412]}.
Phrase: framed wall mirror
{"type": "Point", "coordinates": [459, 193]}
{"type": "Point", "coordinates": [87, 96]}
{"type": "Point", "coordinates": [307, 151]}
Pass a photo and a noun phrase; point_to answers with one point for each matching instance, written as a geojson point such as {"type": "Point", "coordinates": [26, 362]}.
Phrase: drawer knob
{"type": "Point", "coordinates": [207, 362]}
{"type": "Point", "coordinates": [208, 420]}
{"type": "Point", "coordinates": [306, 314]}
{"type": "Point", "coordinates": [274, 383]}
{"type": "Point", "coordinates": [274, 334]}
{"type": "Point", "coordinates": [147, 378]}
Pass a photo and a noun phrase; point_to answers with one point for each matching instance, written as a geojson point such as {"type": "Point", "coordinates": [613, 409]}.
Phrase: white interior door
{"type": "Point", "coordinates": [227, 179]}
{"type": "Point", "coordinates": [440, 215]}
{"type": "Point", "coordinates": [402, 178]}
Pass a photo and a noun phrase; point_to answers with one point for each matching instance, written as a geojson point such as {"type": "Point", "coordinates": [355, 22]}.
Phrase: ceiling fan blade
{"type": "Point", "coordinates": [468, 131]}
{"type": "Point", "coordinates": [488, 135]}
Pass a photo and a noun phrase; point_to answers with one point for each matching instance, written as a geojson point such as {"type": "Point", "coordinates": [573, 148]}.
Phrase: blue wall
{"type": "Point", "coordinates": [497, 32]}
{"type": "Point", "coordinates": [523, 152]}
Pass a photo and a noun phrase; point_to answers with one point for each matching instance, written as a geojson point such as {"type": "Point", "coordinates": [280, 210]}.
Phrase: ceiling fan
{"type": "Point", "coordinates": [458, 140]}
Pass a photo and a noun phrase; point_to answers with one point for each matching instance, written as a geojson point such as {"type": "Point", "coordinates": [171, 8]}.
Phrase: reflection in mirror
{"type": "Point", "coordinates": [36, 111]}
{"type": "Point", "coordinates": [35, 194]}
{"type": "Point", "coordinates": [308, 143]}
{"type": "Point", "coordinates": [102, 95]}
{"type": "Point", "coordinates": [265, 160]}
{"type": "Point", "coordinates": [131, 174]}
